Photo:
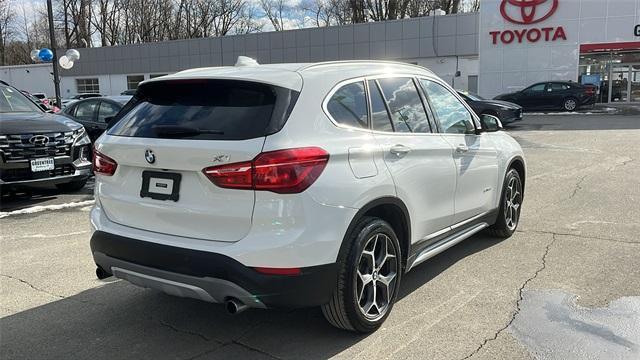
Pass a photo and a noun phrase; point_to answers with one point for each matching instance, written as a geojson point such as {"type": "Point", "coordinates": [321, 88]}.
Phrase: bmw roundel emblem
{"type": "Point", "coordinates": [149, 156]}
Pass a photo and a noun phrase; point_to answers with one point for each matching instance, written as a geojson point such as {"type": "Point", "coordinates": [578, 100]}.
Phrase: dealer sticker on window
{"type": "Point", "coordinates": [43, 164]}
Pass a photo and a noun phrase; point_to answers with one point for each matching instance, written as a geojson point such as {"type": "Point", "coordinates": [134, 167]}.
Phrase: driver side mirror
{"type": "Point", "coordinates": [490, 123]}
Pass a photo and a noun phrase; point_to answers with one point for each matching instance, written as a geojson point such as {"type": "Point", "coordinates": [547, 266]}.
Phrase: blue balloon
{"type": "Point", "coordinates": [45, 54]}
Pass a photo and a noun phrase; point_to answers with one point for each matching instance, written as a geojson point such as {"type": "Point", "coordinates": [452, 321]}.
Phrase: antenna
{"type": "Point", "coordinates": [246, 61]}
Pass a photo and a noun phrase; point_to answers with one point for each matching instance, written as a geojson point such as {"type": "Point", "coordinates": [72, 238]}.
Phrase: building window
{"type": "Point", "coordinates": [133, 81]}
{"type": "Point", "coordinates": [86, 86]}
{"type": "Point", "coordinates": [153, 76]}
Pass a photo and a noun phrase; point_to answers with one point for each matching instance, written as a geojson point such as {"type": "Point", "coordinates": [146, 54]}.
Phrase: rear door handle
{"type": "Point", "coordinates": [400, 150]}
{"type": "Point", "coordinates": [461, 149]}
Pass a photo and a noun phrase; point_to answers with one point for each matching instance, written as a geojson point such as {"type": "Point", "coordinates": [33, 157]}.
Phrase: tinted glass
{"type": "Point", "coordinates": [12, 100]}
{"type": "Point", "coordinates": [537, 88]}
{"type": "Point", "coordinates": [453, 116]}
{"type": "Point", "coordinates": [86, 110]}
{"type": "Point", "coordinates": [559, 87]}
{"type": "Point", "coordinates": [205, 110]}
{"type": "Point", "coordinates": [348, 105]}
{"type": "Point", "coordinates": [106, 110]}
{"type": "Point", "coordinates": [379, 116]}
{"type": "Point", "coordinates": [407, 112]}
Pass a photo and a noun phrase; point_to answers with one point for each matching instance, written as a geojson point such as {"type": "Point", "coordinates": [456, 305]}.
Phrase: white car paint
{"type": "Point", "coordinates": [439, 187]}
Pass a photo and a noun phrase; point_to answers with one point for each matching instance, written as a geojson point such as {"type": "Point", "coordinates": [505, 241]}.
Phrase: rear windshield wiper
{"type": "Point", "coordinates": [177, 131]}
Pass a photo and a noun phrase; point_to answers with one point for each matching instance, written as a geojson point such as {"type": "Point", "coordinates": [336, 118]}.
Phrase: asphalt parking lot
{"type": "Point", "coordinates": [565, 286]}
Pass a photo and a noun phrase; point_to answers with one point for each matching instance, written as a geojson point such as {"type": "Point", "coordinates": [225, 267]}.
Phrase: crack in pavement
{"type": "Point", "coordinates": [59, 297]}
{"type": "Point", "coordinates": [33, 287]}
{"type": "Point", "coordinates": [578, 236]}
{"type": "Point", "coordinates": [187, 332]}
{"type": "Point", "coordinates": [251, 348]}
{"type": "Point", "coordinates": [624, 163]}
{"type": "Point", "coordinates": [518, 302]}
{"type": "Point", "coordinates": [236, 341]}
{"type": "Point", "coordinates": [578, 187]}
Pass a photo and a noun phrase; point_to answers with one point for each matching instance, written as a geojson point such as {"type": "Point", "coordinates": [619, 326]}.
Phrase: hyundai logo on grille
{"type": "Point", "coordinates": [150, 156]}
{"type": "Point", "coordinates": [39, 140]}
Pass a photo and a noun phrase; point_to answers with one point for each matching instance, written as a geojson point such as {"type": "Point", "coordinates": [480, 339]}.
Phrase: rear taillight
{"type": "Point", "coordinates": [283, 171]}
{"type": "Point", "coordinates": [102, 164]}
{"type": "Point", "coordinates": [590, 91]}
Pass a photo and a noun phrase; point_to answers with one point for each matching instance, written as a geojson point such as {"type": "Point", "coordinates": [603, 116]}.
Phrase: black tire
{"type": "Point", "coordinates": [503, 228]}
{"type": "Point", "coordinates": [72, 186]}
{"type": "Point", "coordinates": [570, 104]}
{"type": "Point", "coordinates": [343, 310]}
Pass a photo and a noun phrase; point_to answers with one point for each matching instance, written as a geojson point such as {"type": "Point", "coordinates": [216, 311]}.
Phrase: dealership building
{"type": "Point", "coordinates": [507, 46]}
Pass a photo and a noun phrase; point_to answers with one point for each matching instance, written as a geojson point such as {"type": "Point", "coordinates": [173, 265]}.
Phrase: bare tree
{"type": "Point", "coordinates": [275, 11]}
{"type": "Point", "coordinates": [6, 31]}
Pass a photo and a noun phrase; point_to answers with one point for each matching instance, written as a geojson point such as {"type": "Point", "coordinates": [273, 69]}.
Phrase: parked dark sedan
{"type": "Point", "coordinates": [553, 95]}
{"type": "Point", "coordinates": [94, 113]}
{"type": "Point", "coordinates": [505, 111]}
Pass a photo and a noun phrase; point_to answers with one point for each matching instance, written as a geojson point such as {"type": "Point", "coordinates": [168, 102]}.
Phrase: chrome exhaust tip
{"type": "Point", "coordinates": [235, 306]}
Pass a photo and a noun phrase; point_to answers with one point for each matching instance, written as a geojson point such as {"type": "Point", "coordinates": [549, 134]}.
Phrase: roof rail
{"type": "Point", "coordinates": [351, 62]}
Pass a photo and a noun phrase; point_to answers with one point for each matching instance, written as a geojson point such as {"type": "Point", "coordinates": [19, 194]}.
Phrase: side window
{"type": "Point", "coordinates": [536, 88]}
{"type": "Point", "coordinates": [558, 87]}
{"type": "Point", "coordinates": [106, 110]}
{"type": "Point", "coordinates": [86, 110]}
{"type": "Point", "coordinates": [348, 105]}
{"type": "Point", "coordinates": [405, 106]}
{"type": "Point", "coordinates": [71, 110]}
{"type": "Point", "coordinates": [379, 116]}
{"type": "Point", "coordinates": [453, 116]}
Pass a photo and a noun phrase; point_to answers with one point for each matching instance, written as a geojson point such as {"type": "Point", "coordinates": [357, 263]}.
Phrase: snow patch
{"type": "Point", "coordinates": [37, 209]}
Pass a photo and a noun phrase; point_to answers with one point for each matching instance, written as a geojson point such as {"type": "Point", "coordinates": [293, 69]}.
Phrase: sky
{"type": "Point", "coordinates": [293, 21]}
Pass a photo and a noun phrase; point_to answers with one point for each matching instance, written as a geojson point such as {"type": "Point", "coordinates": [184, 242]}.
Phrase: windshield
{"type": "Point", "coordinates": [12, 100]}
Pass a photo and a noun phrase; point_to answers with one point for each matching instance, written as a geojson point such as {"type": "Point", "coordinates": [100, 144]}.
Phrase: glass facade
{"type": "Point", "coordinates": [615, 73]}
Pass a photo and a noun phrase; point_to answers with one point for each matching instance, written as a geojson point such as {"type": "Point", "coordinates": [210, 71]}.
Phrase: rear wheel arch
{"type": "Point", "coordinates": [390, 209]}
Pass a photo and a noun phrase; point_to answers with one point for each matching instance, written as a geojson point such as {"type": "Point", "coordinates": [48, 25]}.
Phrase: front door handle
{"type": "Point", "coordinates": [461, 149]}
{"type": "Point", "coordinates": [400, 150]}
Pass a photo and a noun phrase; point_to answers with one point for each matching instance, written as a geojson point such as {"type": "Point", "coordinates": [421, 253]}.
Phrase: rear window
{"type": "Point", "coordinates": [205, 110]}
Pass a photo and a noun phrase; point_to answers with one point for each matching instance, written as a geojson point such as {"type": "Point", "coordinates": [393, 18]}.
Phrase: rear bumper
{"type": "Point", "coordinates": [209, 276]}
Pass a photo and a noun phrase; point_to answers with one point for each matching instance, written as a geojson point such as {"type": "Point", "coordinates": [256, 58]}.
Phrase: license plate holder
{"type": "Point", "coordinates": [42, 164]}
{"type": "Point", "coordinates": [159, 185]}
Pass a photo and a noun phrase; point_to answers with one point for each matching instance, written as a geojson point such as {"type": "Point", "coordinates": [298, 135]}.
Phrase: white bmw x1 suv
{"type": "Point", "coordinates": [295, 185]}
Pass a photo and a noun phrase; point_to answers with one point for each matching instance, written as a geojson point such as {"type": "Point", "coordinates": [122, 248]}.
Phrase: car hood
{"type": "Point", "coordinates": [503, 103]}
{"type": "Point", "coordinates": [33, 122]}
{"type": "Point", "coordinates": [502, 96]}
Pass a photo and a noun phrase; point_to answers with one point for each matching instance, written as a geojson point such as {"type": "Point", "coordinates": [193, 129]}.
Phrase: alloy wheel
{"type": "Point", "coordinates": [513, 200]}
{"type": "Point", "coordinates": [376, 276]}
{"type": "Point", "coordinates": [570, 105]}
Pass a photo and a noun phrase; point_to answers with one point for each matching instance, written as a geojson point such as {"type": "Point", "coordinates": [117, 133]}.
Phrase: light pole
{"type": "Point", "coordinates": [52, 36]}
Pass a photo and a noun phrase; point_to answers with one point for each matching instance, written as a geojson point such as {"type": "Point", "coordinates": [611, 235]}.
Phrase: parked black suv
{"type": "Point", "coordinates": [38, 148]}
{"type": "Point", "coordinates": [552, 95]}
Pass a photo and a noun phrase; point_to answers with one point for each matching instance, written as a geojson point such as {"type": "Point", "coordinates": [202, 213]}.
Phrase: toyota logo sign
{"type": "Point", "coordinates": [527, 11]}
{"type": "Point", "coordinates": [39, 140]}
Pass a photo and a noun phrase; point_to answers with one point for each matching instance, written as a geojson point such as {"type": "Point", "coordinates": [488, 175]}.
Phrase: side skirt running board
{"type": "Point", "coordinates": [446, 243]}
